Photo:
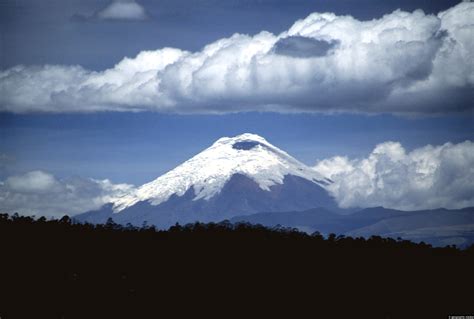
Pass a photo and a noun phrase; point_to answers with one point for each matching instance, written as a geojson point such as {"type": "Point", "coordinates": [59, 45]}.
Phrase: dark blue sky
{"type": "Point", "coordinates": [137, 147]}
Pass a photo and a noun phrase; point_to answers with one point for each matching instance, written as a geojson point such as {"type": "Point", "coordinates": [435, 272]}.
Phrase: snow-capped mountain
{"type": "Point", "coordinates": [234, 176]}
{"type": "Point", "coordinates": [207, 172]}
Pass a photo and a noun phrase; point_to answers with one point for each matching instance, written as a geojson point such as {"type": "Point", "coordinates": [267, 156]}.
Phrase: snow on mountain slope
{"type": "Point", "coordinates": [208, 171]}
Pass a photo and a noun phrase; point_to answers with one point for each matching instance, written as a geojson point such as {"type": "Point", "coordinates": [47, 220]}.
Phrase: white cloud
{"type": "Point", "coordinates": [32, 182]}
{"type": "Point", "coordinates": [427, 177]}
{"type": "Point", "coordinates": [123, 10]}
{"type": "Point", "coordinates": [400, 63]}
{"type": "Point", "coordinates": [40, 193]}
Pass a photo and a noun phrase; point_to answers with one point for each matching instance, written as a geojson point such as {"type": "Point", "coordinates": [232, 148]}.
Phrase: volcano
{"type": "Point", "coordinates": [235, 176]}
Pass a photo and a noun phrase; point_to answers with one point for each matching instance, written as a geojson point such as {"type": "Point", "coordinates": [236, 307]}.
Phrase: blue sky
{"type": "Point", "coordinates": [126, 90]}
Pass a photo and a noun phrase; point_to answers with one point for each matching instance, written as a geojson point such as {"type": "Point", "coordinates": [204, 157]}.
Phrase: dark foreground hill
{"type": "Point", "coordinates": [55, 269]}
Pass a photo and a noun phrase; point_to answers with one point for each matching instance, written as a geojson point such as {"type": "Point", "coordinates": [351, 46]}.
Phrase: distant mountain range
{"type": "Point", "coordinates": [247, 179]}
{"type": "Point", "coordinates": [439, 227]}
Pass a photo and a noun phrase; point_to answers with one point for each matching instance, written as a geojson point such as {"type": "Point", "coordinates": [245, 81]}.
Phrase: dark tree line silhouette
{"type": "Point", "coordinates": [62, 269]}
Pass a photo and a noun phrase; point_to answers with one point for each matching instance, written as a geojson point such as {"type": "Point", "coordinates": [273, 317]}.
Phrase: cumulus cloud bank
{"type": "Point", "coordinates": [425, 178]}
{"type": "Point", "coordinates": [42, 194]}
{"type": "Point", "coordinates": [400, 63]}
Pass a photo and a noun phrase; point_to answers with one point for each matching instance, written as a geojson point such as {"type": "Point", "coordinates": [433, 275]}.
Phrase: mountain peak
{"type": "Point", "coordinates": [207, 172]}
{"type": "Point", "coordinates": [245, 137]}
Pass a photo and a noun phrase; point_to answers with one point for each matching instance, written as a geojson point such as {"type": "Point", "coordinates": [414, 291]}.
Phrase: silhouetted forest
{"type": "Point", "coordinates": [61, 269]}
